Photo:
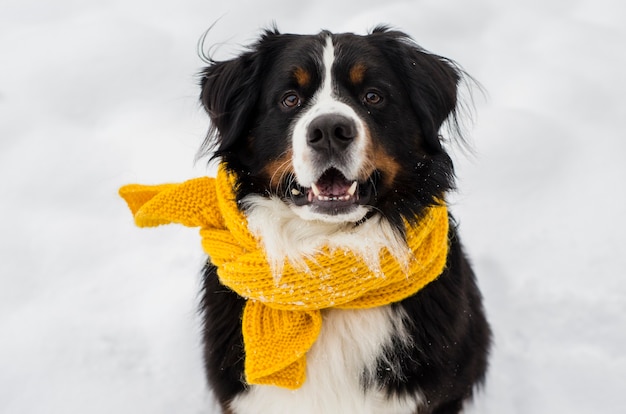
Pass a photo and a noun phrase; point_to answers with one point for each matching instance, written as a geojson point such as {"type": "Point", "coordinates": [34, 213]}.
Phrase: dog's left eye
{"type": "Point", "coordinates": [291, 100]}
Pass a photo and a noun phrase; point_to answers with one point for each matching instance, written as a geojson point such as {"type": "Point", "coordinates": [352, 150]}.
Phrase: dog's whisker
{"type": "Point", "coordinates": [282, 170]}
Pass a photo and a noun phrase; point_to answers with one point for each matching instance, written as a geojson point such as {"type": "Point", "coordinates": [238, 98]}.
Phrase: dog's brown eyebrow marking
{"type": "Point", "coordinates": [357, 73]}
{"type": "Point", "coordinates": [303, 77]}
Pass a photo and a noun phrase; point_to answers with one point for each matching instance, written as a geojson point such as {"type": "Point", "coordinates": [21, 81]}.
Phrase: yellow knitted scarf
{"type": "Point", "coordinates": [282, 319]}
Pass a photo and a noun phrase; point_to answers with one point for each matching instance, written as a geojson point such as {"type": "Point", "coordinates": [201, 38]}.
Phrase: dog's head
{"type": "Point", "coordinates": [338, 126]}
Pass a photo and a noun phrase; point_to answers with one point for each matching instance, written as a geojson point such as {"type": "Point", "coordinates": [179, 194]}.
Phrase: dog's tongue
{"type": "Point", "coordinates": [332, 184]}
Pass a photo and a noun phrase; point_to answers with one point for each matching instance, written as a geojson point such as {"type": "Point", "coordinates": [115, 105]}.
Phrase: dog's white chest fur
{"type": "Point", "coordinates": [351, 343]}
{"type": "Point", "coordinates": [349, 346]}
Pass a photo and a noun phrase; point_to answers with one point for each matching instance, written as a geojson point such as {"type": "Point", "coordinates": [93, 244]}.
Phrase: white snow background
{"type": "Point", "coordinates": [98, 316]}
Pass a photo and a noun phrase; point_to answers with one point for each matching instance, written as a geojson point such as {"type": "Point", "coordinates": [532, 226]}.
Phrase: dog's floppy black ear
{"type": "Point", "coordinates": [431, 82]}
{"type": "Point", "coordinates": [229, 95]}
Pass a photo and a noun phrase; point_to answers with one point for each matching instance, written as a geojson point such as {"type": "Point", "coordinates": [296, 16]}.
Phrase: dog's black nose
{"type": "Point", "coordinates": [331, 132]}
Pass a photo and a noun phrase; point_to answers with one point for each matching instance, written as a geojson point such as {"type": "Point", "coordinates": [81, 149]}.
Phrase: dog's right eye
{"type": "Point", "coordinates": [372, 98]}
{"type": "Point", "coordinates": [291, 101]}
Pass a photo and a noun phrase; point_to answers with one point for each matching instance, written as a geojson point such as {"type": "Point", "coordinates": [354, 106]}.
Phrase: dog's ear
{"type": "Point", "coordinates": [229, 95]}
{"type": "Point", "coordinates": [430, 80]}
{"type": "Point", "coordinates": [434, 86]}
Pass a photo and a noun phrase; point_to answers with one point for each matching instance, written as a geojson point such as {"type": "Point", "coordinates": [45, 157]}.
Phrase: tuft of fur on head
{"type": "Point", "coordinates": [221, 116]}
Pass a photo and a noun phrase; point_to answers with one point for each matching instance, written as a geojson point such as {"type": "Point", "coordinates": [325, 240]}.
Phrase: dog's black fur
{"type": "Point", "coordinates": [250, 134]}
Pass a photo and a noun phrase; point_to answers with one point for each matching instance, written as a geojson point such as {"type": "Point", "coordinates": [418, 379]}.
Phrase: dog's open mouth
{"type": "Point", "coordinates": [332, 193]}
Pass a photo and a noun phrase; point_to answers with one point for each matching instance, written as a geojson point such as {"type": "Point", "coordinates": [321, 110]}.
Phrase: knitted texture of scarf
{"type": "Point", "coordinates": [282, 317]}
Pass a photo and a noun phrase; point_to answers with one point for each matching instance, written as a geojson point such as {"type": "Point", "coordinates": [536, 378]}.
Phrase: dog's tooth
{"type": "Point", "coordinates": [295, 192]}
{"type": "Point", "coordinates": [316, 191]}
{"type": "Point", "coordinates": [352, 189]}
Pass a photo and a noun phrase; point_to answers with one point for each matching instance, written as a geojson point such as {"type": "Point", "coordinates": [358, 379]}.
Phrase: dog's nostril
{"type": "Point", "coordinates": [344, 132]}
{"type": "Point", "coordinates": [315, 136]}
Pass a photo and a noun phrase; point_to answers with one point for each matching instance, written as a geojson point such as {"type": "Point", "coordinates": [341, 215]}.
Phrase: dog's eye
{"type": "Point", "coordinates": [372, 98]}
{"type": "Point", "coordinates": [291, 100]}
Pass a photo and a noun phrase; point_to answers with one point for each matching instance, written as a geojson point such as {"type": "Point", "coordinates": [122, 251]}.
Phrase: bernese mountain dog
{"type": "Point", "coordinates": [336, 134]}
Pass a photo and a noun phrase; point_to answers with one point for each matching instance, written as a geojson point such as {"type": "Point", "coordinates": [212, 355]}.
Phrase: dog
{"type": "Point", "coordinates": [335, 139]}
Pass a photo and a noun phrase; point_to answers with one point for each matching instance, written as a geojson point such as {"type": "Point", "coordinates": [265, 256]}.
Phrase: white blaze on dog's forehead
{"type": "Point", "coordinates": [324, 99]}
{"type": "Point", "coordinates": [328, 58]}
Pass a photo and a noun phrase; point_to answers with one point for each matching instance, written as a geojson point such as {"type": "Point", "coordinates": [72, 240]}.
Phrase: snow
{"type": "Point", "coordinates": [98, 316]}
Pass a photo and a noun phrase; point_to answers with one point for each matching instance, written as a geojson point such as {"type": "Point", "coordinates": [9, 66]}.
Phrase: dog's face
{"type": "Point", "coordinates": [338, 126]}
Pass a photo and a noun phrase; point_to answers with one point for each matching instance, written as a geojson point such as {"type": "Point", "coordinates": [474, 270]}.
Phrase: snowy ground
{"type": "Point", "coordinates": [97, 316]}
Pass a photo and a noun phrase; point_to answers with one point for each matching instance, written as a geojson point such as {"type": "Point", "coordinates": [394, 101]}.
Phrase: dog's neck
{"type": "Point", "coordinates": [286, 236]}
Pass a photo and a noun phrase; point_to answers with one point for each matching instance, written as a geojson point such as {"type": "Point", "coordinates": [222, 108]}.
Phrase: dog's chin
{"type": "Point", "coordinates": [331, 213]}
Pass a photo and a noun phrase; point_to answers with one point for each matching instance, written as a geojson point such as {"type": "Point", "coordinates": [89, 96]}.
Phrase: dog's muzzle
{"type": "Point", "coordinates": [332, 142]}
